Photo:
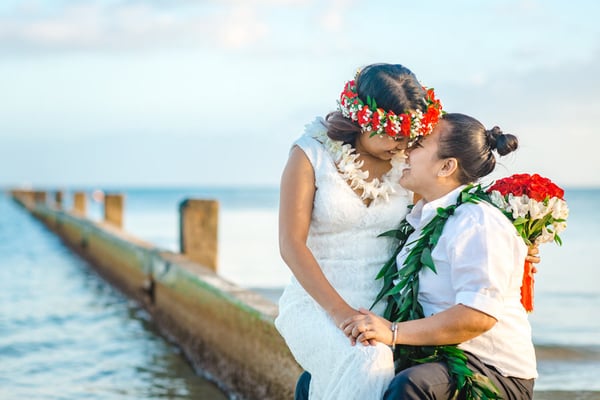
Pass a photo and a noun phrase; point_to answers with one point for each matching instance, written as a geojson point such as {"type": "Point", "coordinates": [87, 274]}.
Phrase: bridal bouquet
{"type": "Point", "coordinates": [537, 208]}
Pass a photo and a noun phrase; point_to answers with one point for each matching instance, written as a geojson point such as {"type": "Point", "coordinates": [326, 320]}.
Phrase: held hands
{"type": "Point", "coordinates": [340, 317]}
{"type": "Point", "coordinates": [367, 328]}
{"type": "Point", "coordinates": [342, 314]}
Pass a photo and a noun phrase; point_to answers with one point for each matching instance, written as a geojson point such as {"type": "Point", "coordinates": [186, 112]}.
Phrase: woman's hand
{"type": "Point", "coordinates": [533, 252]}
{"type": "Point", "coordinates": [367, 328]}
{"type": "Point", "coordinates": [340, 316]}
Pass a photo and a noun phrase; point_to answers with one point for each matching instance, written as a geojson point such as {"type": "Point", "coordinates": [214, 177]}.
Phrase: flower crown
{"type": "Point", "coordinates": [378, 121]}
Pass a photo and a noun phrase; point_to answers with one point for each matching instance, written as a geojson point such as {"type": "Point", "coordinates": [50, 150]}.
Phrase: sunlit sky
{"type": "Point", "coordinates": [193, 93]}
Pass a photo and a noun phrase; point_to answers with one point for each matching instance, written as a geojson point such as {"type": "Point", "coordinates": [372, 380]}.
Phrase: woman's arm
{"type": "Point", "coordinates": [455, 325]}
{"type": "Point", "coordinates": [295, 211]}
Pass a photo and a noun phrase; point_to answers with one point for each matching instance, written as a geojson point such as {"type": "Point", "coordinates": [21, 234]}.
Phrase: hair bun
{"type": "Point", "coordinates": [500, 142]}
{"type": "Point", "coordinates": [492, 136]}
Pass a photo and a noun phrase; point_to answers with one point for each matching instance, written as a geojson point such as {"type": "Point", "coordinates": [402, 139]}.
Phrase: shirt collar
{"type": "Point", "coordinates": [423, 212]}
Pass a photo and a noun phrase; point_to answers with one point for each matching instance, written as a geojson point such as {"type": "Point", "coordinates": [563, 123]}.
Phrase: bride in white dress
{"type": "Point", "coordinates": [339, 191]}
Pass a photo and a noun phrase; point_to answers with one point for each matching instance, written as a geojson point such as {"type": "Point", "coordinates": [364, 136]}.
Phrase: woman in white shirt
{"type": "Point", "coordinates": [473, 297]}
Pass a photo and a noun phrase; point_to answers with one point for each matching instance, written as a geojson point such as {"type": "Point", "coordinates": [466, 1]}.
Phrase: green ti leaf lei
{"type": "Point", "coordinates": [403, 304]}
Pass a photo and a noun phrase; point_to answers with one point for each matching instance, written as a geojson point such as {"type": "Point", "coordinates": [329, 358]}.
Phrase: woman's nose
{"type": "Point", "coordinates": [401, 145]}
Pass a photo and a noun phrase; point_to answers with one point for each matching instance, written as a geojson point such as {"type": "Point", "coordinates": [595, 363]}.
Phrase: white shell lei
{"type": "Point", "coordinates": [345, 158]}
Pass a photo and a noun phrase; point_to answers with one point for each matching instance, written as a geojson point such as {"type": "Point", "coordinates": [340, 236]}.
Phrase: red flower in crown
{"type": "Point", "coordinates": [376, 120]}
{"type": "Point", "coordinates": [433, 113]}
{"type": "Point", "coordinates": [405, 125]}
{"type": "Point", "coordinates": [364, 116]}
{"type": "Point", "coordinates": [392, 126]}
{"type": "Point", "coordinates": [431, 95]}
{"type": "Point", "coordinates": [349, 90]}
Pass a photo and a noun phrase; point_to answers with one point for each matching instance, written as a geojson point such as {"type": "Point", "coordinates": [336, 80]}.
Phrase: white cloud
{"type": "Point", "coordinates": [332, 18]}
{"type": "Point", "coordinates": [478, 79]}
{"type": "Point", "coordinates": [91, 25]}
{"type": "Point", "coordinates": [240, 27]}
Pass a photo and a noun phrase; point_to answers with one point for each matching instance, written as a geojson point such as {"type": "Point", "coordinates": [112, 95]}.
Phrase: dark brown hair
{"type": "Point", "coordinates": [472, 145]}
{"type": "Point", "coordinates": [393, 86]}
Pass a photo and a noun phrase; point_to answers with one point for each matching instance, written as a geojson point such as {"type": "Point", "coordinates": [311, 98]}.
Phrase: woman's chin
{"type": "Point", "coordinates": [405, 174]}
{"type": "Point", "coordinates": [406, 181]}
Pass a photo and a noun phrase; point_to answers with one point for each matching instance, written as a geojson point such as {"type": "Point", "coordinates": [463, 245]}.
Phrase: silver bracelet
{"type": "Point", "coordinates": [394, 333]}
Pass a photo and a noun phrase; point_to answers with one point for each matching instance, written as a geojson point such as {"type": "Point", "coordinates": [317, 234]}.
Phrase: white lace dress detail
{"type": "Point", "coordinates": [343, 238]}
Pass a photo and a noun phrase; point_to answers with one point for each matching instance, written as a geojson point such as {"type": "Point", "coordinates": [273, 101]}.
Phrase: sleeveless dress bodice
{"type": "Point", "coordinates": [343, 237]}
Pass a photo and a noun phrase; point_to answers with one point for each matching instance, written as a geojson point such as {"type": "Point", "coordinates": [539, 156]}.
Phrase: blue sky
{"type": "Point", "coordinates": [174, 92]}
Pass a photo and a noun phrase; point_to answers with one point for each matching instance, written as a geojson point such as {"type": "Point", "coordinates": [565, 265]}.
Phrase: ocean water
{"type": "Point", "coordinates": [67, 334]}
{"type": "Point", "coordinates": [566, 327]}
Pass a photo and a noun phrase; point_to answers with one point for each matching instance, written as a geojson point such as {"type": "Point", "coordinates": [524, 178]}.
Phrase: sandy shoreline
{"type": "Point", "coordinates": [566, 395]}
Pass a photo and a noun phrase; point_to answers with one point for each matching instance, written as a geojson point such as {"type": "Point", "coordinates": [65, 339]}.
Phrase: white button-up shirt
{"type": "Point", "coordinates": [479, 260]}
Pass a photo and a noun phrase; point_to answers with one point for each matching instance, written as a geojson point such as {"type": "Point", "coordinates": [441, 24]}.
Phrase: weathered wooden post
{"type": "Point", "coordinates": [79, 203]}
{"type": "Point", "coordinates": [23, 196]}
{"type": "Point", "coordinates": [28, 198]}
{"type": "Point", "coordinates": [39, 196]}
{"type": "Point", "coordinates": [58, 199]}
{"type": "Point", "coordinates": [19, 194]}
{"type": "Point", "coordinates": [198, 228]}
{"type": "Point", "coordinates": [113, 209]}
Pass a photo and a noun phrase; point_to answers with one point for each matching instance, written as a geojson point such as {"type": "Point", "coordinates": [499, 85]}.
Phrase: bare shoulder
{"type": "Point", "coordinates": [297, 188]}
{"type": "Point", "coordinates": [298, 162]}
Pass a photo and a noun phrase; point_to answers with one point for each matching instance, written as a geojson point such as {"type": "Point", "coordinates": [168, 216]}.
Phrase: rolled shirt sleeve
{"type": "Point", "coordinates": [482, 257]}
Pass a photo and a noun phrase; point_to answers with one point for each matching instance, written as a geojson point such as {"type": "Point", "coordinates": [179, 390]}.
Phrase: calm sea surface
{"type": "Point", "coordinates": [566, 323]}
{"type": "Point", "coordinates": [66, 334]}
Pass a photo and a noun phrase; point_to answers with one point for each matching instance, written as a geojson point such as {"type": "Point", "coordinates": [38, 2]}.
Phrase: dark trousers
{"type": "Point", "coordinates": [302, 387]}
{"type": "Point", "coordinates": [432, 381]}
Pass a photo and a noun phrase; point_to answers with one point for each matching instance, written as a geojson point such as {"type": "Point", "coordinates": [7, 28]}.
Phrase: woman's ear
{"type": "Point", "coordinates": [449, 167]}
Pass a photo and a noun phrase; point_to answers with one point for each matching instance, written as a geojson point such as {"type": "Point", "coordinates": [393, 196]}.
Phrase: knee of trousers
{"type": "Point", "coordinates": [401, 385]}
{"type": "Point", "coordinates": [420, 382]}
{"type": "Point", "coordinates": [302, 387]}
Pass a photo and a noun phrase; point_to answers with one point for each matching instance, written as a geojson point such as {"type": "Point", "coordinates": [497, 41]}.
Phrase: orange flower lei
{"type": "Point", "coordinates": [378, 121]}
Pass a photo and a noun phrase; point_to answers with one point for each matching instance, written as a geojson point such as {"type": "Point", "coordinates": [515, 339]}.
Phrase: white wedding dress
{"type": "Point", "coordinates": [343, 238]}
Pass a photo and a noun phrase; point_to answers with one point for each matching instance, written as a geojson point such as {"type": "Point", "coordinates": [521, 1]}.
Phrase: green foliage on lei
{"type": "Point", "coordinates": [403, 304]}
